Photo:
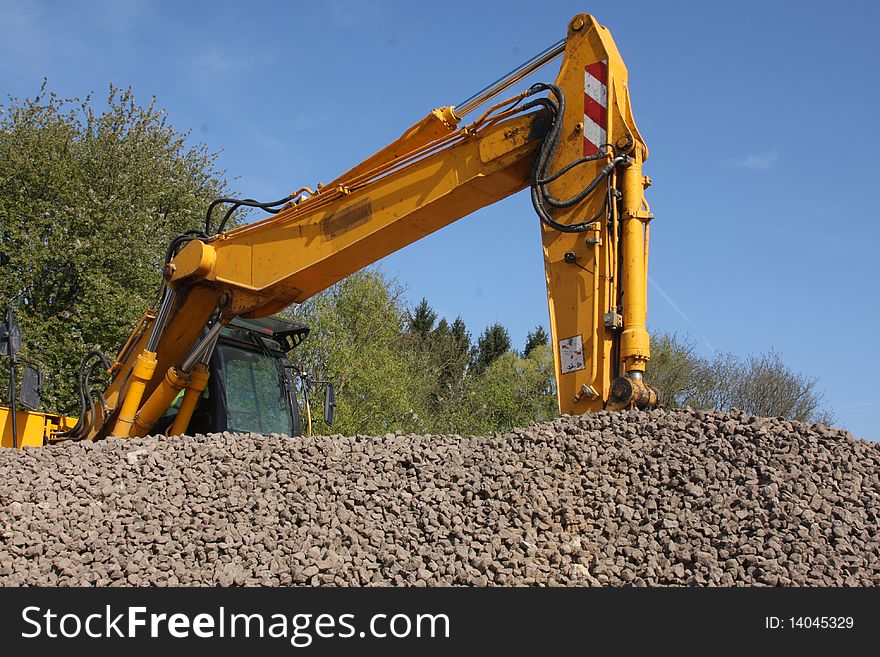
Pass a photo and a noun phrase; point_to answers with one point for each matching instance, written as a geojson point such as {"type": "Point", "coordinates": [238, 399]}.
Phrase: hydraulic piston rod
{"type": "Point", "coordinates": [511, 78]}
{"type": "Point", "coordinates": [635, 349]}
{"type": "Point", "coordinates": [202, 351]}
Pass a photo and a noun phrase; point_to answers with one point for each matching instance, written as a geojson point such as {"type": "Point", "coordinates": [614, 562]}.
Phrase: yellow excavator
{"type": "Point", "coordinates": [209, 355]}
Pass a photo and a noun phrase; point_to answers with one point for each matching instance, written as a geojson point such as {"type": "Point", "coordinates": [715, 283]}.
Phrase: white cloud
{"type": "Point", "coordinates": [224, 60]}
{"type": "Point", "coordinates": [757, 161]}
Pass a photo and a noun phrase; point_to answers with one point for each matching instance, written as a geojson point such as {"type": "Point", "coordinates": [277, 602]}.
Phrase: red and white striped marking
{"type": "Point", "coordinates": [595, 106]}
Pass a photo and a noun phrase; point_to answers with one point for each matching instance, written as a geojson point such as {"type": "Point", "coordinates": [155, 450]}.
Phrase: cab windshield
{"type": "Point", "coordinates": [256, 398]}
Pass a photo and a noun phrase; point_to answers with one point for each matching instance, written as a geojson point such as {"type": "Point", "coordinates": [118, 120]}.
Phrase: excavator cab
{"type": "Point", "coordinates": [253, 388]}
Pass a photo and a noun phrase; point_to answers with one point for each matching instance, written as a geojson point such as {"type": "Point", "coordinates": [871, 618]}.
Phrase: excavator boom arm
{"type": "Point", "coordinates": [577, 148]}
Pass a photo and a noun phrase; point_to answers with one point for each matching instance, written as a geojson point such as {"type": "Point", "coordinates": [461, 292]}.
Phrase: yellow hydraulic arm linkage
{"type": "Point", "coordinates": [574, 143]}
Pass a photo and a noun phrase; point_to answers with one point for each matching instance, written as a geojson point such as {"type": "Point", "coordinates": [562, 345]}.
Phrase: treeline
{"type": "Point", "coordinates": [759, 384]}
{"type": "Point", "coordinates": [90, 200]}
{"type": "Point", "coordinates": [400, 369]}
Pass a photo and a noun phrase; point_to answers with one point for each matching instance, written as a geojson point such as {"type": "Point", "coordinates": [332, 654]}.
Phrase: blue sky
{"type": "Point", "coordinates": [759, 116]}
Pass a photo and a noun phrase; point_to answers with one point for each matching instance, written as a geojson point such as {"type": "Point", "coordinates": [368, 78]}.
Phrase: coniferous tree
{"type": "Point", "coordinates": [534, 338]}
{"type": "Point", "coordinates": [460, 333]}
{"type": "Point", "coordinates": [494, 342]}
{"type": "Point", "coordinates": [422, 319]}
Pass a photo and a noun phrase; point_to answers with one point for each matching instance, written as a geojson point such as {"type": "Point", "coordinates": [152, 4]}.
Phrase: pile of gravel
{"type": "Point", "coordinates": [656, 498]}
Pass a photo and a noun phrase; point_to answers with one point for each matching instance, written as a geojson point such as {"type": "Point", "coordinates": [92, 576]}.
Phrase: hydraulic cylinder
{"type": "Point", "coordinates": [635, 348]}
{"type": "Point", "coordinates": [159, 401]}
{"type": "Point", "coordinates": [141, 374]}
{"type": "Point", "coordinates": [198, 381]}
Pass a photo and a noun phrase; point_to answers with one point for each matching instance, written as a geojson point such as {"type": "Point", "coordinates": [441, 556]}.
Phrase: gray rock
{"type": "Point", "coordinates": [630, 498]}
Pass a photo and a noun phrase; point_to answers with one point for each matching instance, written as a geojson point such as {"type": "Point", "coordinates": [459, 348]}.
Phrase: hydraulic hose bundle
{"type": "Point", "coordinates": [272, 207]}
{"type": "Point", "coordinates": [86, 419]}
{"type": "Point", "coordinates": [542, 199]}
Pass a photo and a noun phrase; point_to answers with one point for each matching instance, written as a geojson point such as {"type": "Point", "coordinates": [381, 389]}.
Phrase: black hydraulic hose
{"type": "Point", "coordinates": [541, 197]}
{"type": "Point", "coordinates": [601, 155]}
{"type": "Point", "coordinates": [86, 402]}
{"type": "Point", "coordinates": [91, 395]}
{"type": "Point", "coordinates": [267, 207]}
{"type": "Point", "coordinates": [580, 196]}
{"type": "Point", "coordinates": [86, 393]}
{"type": "Point", "coordinates": [83, 409]}
{"type": "Point", "coordinates": [180, 240]}
{"type": "Point", "coordinates": [271, 207]}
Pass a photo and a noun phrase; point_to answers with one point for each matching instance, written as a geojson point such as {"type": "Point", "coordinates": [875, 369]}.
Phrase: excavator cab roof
{"type": "Point", "coordinates": [285, 334]}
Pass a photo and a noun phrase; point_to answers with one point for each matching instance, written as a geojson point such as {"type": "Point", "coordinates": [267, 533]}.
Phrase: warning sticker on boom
{"type": "Point", "coordinates": [571, 354]}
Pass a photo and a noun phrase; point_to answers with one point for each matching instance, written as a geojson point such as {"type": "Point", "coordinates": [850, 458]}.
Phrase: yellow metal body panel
{"type": "Point", "coordinates": [579, 295]}
{"type": "Point", "coordinates": [635, 348]}
{"type": "Point", "coordinates": [434, 174]}
{"type": "Point", "coordinates": [141, 374]}
{"type": "Point", "coordinates": [34, 427]}
{"type": "Point", "coordinates": [301, 253]}
{"type": "Point", "coordinates": [192, 313]}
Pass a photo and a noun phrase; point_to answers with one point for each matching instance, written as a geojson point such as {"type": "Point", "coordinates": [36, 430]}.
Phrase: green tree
{"type": "Point", "coordinates": [390, 377]}
{"type": "Point", "coordinates": [445, 355]}
{"type": "Point", "coordinates": [422, 319]}
{"type": "Point", "coordinates": [360, 343]}
{"type": "Point", "coordinates": [534, 338]}
{"type": "Point", "coordinates": [512, 392]}
{"type": "Point", "coordinates": [89, 201]}
{"type": "Point", "coordinates": [459, 332]}
{"type": "Point", "coordinates": [493, 342]}
{"type": "Point", "coordinates": [442, 329]}
{"type": "Point", "coordinates": [672, 368]}
{"type": "Point", "coordinates": [761, 385]}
